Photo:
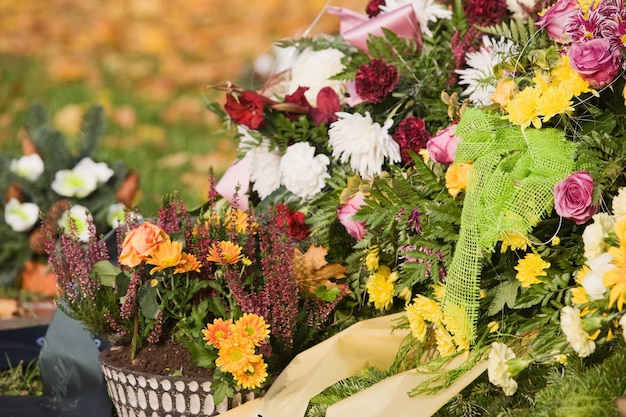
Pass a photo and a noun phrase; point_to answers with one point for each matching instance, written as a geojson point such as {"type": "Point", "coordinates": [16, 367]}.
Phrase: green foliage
{"type": "Point", "coordinates": [524, 33]}
{"type": "Point", "coordinates": [21, 379]}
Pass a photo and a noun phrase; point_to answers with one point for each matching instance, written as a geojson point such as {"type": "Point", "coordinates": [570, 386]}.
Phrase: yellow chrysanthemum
{"type": "Point", "coordinates": [188, 263]}
{"type": "Point", "coordinates": [217, 331]}
{"type": "Point", "coordinates": [253, 327]}
{"type": "Point", "coordinates": [565, 76]}
{"type": "Point", "coordinates": [380, 287]}
{"type": "Point", "coordinates": [225, 253]}
{"type": "Point", "coordinates": [530, 268]}
{"type": "Point", "coordinates": [428, 308]}
{"type": "Point", "coordinates": [166, 255]}
{"type": "Point", "coordinates": [522, 109]}
{"type": "Point", "coordinates": [235, 354]}
{"type": "Point", "coordinates": [417, 324]}
{"type": "Point", "coordinates": [372, 259]}
{"type": "Point", "coordinates": [555, 100]}
{"type": "Point", "coordinates": [239, 220]}
{"type": "Point", "coordinates": [459, 325]}
{"type": "Point", "coordinates": [513, 240]}
{"type": "Point", "coordinates": [445, 345]}
{"type": "Point", "coordinates": [615, 279]}
{"type": "Point", "coordinates": [438, 290]}
{"type": "Point", "coordinates": [252, 377]}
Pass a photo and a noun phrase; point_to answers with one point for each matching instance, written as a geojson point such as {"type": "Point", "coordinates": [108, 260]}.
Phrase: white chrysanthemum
{"type": "Point", "coordinates": [478, 76]}
{"type": "Point", "coordinates": [521, 9]}
{"type": "Point", "coordinates": [425, 10]}
{"type": "Point", "coordinates": [80, 217]}
{"type": "Point", "coordinates": [28, 166]}
{"type": "Point", "coordinates": [101, 170]}
{"type": "Point", "coordinates": [572, 327]}
{"type": "Point", "coordinates": [314, 69]}
{"type": "Point", "coordinates": [595, 234]}
{"type": "Point", "coordinates": [593, 279]}
{"type": "Point", "coordinates": [21, 217]}
{"type": "Point", "coordinates": [361, 142]}
{"type": "Point", "coordinates": [116, 214]}
{"type": "Point", "coordinates": [264, 169]}
{"type": "Point", "coordinates": [619, 204]}
{"type": "Point", "coordinates": [304, 173]}
{"type": "Point", "coordinates": [73, 183]}
{"type": "Point", "coordinates": [498, 370]}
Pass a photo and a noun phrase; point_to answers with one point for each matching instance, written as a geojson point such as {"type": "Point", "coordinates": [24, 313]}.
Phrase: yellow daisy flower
{"type": "Point", "coordinates": [252, 377]}
{"type": "Point", "coordinates": [166, 255]}
{"type": "Point", "coordinates": [253, 327]}
{"type": "Point", "coordinates": [417, 324]}
{"type": "Point", "coordinates": [530, 268]}
{"type": "Point", "coordinates": [235, 354]}
{"type": "Point", "coordinates": [615, 279]}
{"type": "Point", "coordinates": [555, 100]}
{"type": "Point", "coordinates": [188, 263]}
{"type": "Point", "coordinates": [428, 308]}
{"type": "Point", "coordinates": [372, 259]}
{"type": "Point", "coordinates": [225, 253]}
{"type": "Point", "coordinates": [217, 331]}
{"type": "Point", "coordinates": [380, 287]}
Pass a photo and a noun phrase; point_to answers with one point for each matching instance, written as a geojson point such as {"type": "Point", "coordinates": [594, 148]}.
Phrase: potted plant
{"type": "Point", "coordinates": [46, 179]}
{"type": "Point", "coordinates": [218, 294]}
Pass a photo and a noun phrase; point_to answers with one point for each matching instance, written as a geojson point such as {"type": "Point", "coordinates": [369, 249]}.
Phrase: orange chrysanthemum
{"type": "Point", "coordinates": [167, 254]}
{"type": "Point", "coordinates": [253, 327]}
{"type": "Point", "coordinates": [235, 354]}
{"type": "Point", "coordinates": [252, 378]}
{"type": "Point", "coordinates": [225, 253]}
{"type": "Point", "coordinates": [217, 331]}
{"type": "Point", "coordinates": [188, 263]}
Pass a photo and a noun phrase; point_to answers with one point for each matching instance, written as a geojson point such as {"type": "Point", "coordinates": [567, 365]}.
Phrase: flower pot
{"type": "Point", "coordinates": [139, 394]}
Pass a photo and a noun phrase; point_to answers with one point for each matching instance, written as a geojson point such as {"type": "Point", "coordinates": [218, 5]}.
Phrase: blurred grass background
{"type": "Point", "coordinates": [149, 63]}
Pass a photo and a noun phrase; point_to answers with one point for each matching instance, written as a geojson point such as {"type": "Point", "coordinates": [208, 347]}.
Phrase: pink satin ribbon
{"type": "Point", "coordinates": [238, 174]}
{"type": "Point", "coordinates": [356, 27]}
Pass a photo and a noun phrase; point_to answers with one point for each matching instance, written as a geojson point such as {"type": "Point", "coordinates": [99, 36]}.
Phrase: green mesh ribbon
{"type": "Point", "coordinates": [509, 190]}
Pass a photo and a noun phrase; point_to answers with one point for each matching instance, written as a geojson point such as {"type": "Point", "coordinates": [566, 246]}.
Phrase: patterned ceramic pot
{"type": "Point", "coordinates": [137, 394]}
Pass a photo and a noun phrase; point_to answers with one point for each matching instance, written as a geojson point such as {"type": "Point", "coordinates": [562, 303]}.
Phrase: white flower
{"type": "Point", "coordinates": [594, 235]}
{"type": "Point", "coordinates": [20, 216]}
{"type": "Point", "coordinates": [593, 279]}
{"type": "Point", "coordinates": [72, 183]}
{"type": "Point", "coordinates": [498, 370]}
{"type": "Point", "coordinates": [101, 170]}
{"type": "Point", "coordinates": [622, 322]}
{"type": "Point", "coordinates": [264, 169]}
{"type": "Point", "coordinates": [313, 69]}
{"type": "Point", "coordinates": [521, 9]}
{"type": "Point", "coordinates": [303, 172]}
{"type": "Point", "coordinates": [619, 204]}
{"type": "Point", "coordinates": [79, 226]}
{"type": "Point", "coordinates": [116, 214]}
{"type": "Point", "coordinates": [365, 144]}
{"type": "Point", "coordinates": [425, 11]}
{"type": "Point", "coordinates": [28, 166]}
{"type": "Point", "coordinates": [478, 76]}
{"type": "Point", "coordinates": [572, 326]}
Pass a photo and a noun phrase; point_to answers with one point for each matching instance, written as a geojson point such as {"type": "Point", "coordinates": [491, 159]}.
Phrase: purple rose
{"type": "Point", "coordinates": [442, 147]}
{"type": "Point", "coordinates": [354, 228]}
{"type": "Point", "coordinates": [573, 197]}
{"type": "Point", "coordinates": [595, 61]}
{"type": "Point", "coordinates": [555, 19]}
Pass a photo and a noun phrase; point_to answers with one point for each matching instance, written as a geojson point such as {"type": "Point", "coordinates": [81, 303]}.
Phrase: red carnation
{"type": "Point", "coordinates": [411, 135]}
{"type": "Point", "coordinates": [485, 12]}
{"type": "Point", "coordinates": [327, 106]}
{"type": "Point", "coordinates": [375, 80]}
{"type": "Point", "coordinates": [246, 109]}
{"type": "Point", "coordinates": [293, 221]}
{"type": "Point", "coordinates": [373, 8]}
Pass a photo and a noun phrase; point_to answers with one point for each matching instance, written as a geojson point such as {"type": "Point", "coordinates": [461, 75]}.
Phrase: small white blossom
{"type": "Point", "coordinates": [21, 217]}
{"type": "Point", "coordinates": [101, 170]}
{"type": "Point", "coordinates": [116, 213]}
{"type": "Point", "coordinates": [72, 183]}
{"type": "Point", "coordinates": [304, 173]}
{"type": "Point", "coordinates": [80, 217]}
{"type": "Point", "coordinates": [619, 204]}
{"type": "Point", "coordinates": [592, 282]}
{"type": "Point", "coordinates": [521, 9]}
{"type": "Point", "coordinates": [28, 166]}
{"type": "Point", "coordinates": [572, 327]}
{"type": "Point", "coordinates": [361, 142]}
{"type": "Point", "coordinates": [479, 76]}
{"type": "Point", "coordinates": [498, 370]}
{"type": "Point", "coordinates": [425, 11]}
{"type": "Point", "coordinates": [314, 69]}
{"type": "Point", "coordinates": [595, 234]}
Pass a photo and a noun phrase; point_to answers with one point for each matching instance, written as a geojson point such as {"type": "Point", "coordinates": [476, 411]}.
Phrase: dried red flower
{"type": "Point", "coordinates": [375, 80]}
{"type": "Point", "coordinates": [327, 106]}
{"type": "Point", "coordinates": [373, 8]}
{"type": "Point", "coordinates": [293, 220]}
{"type": "Point", "coordinates": [485, 12]}
{"type": "Point", "coordinates": [246, 109]}
{"type": "Point", "coordinates": [411, 135]}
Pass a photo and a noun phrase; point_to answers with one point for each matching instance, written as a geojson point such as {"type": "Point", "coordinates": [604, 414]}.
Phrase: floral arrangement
{"type": "Point", "coordinates": [48, 178]}
{"type": "Point", "coordinates": [241, 292]}
{"type": "Point", "coordinates": [460, 160]}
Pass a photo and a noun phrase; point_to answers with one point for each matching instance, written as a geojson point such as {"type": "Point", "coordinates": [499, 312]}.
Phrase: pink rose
{"type": "Point", "coordinates": [595, 61]}
{"type": "Point", "coordinates": [354, 228]}
{"type": "Point", "coordinates": [442, 147]}
{"type": "Point", "coordinates": [573, 197]}
{"type": "Point", "coordinates": [556, 17]}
